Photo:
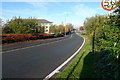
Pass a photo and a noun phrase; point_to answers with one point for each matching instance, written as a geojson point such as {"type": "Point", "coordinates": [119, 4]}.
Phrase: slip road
{"type": "Point", "coordinates": [38, 61]}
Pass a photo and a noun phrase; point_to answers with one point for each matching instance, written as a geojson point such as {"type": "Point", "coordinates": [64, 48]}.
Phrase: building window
{"type": "Point", "coordinates": [46, 26]}
{"type": "Point", "coordinates": [46, 30]}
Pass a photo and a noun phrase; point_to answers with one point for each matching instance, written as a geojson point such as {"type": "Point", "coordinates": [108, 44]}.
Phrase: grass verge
{"type": "Point", "coordinates": [99, 65]}
{"type": "Point", "coordinates": [75, 68]}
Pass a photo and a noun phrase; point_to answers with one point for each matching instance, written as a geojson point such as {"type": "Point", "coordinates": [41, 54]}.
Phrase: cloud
{"type": "Point", "coordinates": [99, 8]}
{"type": "Point", "coordinates": [24, 13]}
{"type": "Point", "coordinates": [75, 14]}
{"type": "Point", "coordinates": [77, 23]}
{"type": "Point", "coordinates": [37, 9]}
{"type": "Point", "coordinates": [38, 4]}
{"type": "Point", "coordinates": [84, 11]}
{"type": "Point", "coordinates": [9, 12]}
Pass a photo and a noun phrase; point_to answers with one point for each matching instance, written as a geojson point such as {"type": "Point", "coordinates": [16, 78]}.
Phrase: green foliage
{"type": "Point", "coordinates": [60, 29]}
{"type": "Point", "coordinates": [104, 63]}
{"type": "Point", "coordinates": [83, 33]}
{"type": "Point", "coordinates": [40, 29]}
{"type": "Point", "coordinates": [81, 28]}
{"type": "Point", "coordinates": [108, 38]}
{"type": "Point", "coordinates": [68, 28]}
{"type": "Point", "coordinates": [74, 69]}
{"type": "Point", "coordinates": [117, 11]}
{"type": "Point", "coordinates": [54, 29]}
{"type": "Point", "coordinates": [6, 30]}
{"type": "Point", "coordinates": [22, 26]}
{"type": "Point", "coordinates": [92, 24]}
{"type": "Point", "coordinates": [59, 35]}
{"type": "Point", "coordinates": [106, 32]}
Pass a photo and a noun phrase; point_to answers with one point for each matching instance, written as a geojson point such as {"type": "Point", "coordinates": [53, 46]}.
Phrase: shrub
{"type": "Point", "coordinates": [59, 35]}
{"type": "Point", "coordinates": [10, 38]}
{"type": "Point", "coordinates": [83, 34]}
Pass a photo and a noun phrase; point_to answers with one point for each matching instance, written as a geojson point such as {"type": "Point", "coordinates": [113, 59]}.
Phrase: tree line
{"type": "Point", "coordinates": [104, 30]}
{"type": "Point", "coordinates": [104, 33]}
{"type": "Point", "coordinates": [60, 30]}
{"type": "Point", "coordinates": [22, 26]}
{"type": "Point", "coordinates": [30, 26]}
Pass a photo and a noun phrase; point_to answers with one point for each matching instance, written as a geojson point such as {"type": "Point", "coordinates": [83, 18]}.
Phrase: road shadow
{"type": "Point", "coordinates": [100, 65]}
{"type": "Point", "coordinates": [88, 67]}
{"type": "Point", "coordinates": [68, 77]}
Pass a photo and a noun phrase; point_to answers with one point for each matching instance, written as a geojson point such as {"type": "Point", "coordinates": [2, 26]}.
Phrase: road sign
{"type": "Point", "coordinates": [109, 4]}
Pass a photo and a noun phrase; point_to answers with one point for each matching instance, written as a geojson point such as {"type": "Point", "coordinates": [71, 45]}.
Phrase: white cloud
{"type": "Point", "coordinates": [37, 9]}
{"type": "Point", "coordinates": [84, 11]}
{"type": "Point", "coordinates": [75, 16]}
{"type": "Point", "coordinates": [77, 23]}
{"type": "Point", "coordinates": [38, 4]}
{"type": "Point", "coordinates": [24, 13]}
{"type": "Point", "coordinates": [5, 11]}
{"type": "Point", "coordinates": [99, 8]}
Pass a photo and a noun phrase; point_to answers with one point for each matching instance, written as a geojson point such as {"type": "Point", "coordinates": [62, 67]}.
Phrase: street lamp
{"type": "Point", "coordinates": [65, 22]}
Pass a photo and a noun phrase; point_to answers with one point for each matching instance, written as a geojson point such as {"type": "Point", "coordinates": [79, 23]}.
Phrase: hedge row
{"type": "Point", "coordinates": [10, 38]}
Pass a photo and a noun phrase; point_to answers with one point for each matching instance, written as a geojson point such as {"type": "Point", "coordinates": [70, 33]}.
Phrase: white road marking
{"type": "Point", "coordinates": [63, 64]}
{"type": "Point", "coordinates": [36, 45]}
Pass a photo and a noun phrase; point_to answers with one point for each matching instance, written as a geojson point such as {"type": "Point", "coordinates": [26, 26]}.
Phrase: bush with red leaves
{"type": "Point", "coordinates": [10, 38]}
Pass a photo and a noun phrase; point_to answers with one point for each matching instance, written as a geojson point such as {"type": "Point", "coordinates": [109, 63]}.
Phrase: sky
{"type": "Point", "coordinates": [56, 12]}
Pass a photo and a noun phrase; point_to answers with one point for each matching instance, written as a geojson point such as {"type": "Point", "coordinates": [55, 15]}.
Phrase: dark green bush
{"type": "Point", "coordinates": [58, 35]}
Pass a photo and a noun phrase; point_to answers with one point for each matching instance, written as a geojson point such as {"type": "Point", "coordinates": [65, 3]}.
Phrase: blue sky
{"type": "Point", "coordinates": [57, 12]}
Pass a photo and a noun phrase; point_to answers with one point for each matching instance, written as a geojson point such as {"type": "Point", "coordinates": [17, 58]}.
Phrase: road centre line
{"type": "Point", "coordinates": [36, 45]}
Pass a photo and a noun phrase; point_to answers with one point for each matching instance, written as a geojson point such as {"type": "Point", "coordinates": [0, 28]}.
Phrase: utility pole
{"type": "Point", "coordinates": [65, 22]}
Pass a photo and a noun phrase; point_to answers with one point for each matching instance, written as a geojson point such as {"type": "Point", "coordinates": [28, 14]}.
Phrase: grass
{"type": "Point", "coordinates": [99, 65]}
{"type": "Point", "coordinates": [75, 68]}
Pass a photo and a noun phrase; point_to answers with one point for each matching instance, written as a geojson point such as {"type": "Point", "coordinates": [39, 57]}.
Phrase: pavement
{"type": "Point", "coordinates": [38, 61]}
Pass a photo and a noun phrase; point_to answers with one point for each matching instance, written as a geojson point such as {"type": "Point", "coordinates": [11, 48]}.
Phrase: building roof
{"type": "Point", "coordinates": [43, 21]}
{"type": "Point", "coordinates": [40, 20]}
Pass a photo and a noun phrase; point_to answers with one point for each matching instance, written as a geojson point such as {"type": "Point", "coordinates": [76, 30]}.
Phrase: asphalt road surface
{"type": "Point", "coordinates": [38, 61]}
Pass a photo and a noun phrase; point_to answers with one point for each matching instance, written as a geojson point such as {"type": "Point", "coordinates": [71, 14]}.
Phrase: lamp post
{"type": "Point", "coordinates": [65, 22]}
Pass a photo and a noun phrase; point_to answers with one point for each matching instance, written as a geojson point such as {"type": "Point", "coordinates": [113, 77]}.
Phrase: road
{"type": "Point", "coordinates": [38, 61]}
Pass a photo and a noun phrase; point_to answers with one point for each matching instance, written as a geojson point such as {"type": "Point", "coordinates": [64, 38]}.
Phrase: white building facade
{"type": "Point", "coordinates": [46, 24]}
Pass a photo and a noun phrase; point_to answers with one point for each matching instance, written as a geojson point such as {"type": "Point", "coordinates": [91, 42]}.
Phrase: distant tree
{"type": "Point", "coordinates": [81, 28]}
{"type": "Point", "coordinates": [53, 29]}
{"type": "Point", "coordinates": [57, 29]}
{"type": "Point", "coordinates": [68, 27]}
{"type": "Point", "coordinates": [61, 29]}
{"type": "Point", "coordinates": [20, 26]}
{"type": "Point", "coordinates": [6, 30]}
{"type": "Point", "coordinates": [40, 29]}
{"type": "Point", "coordinates": [92, 24]}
